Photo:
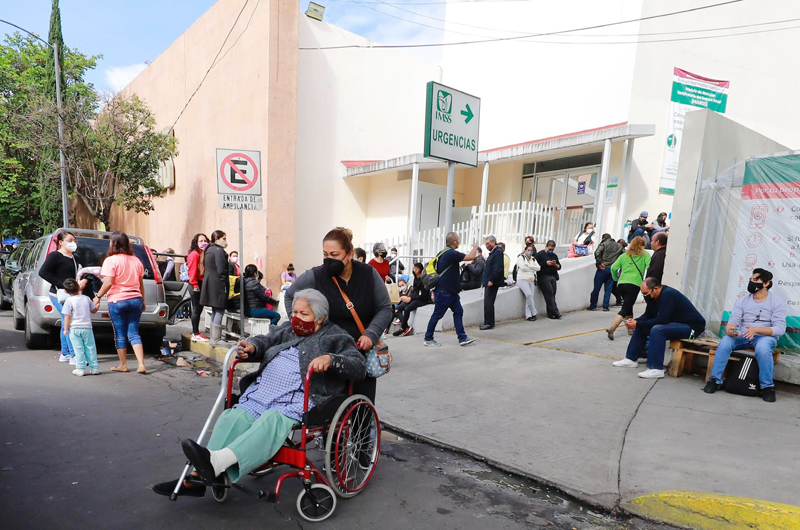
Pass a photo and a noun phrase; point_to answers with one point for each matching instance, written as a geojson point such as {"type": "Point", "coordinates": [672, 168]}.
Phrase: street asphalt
{"type": "Point", "coordinates": [84, 452]}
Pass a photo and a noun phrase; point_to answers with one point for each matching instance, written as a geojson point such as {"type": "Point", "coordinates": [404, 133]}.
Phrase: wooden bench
{"type": "Point", "coordinates": [687, 349]}
{"type": "Point", "coordinates": [232, 327]}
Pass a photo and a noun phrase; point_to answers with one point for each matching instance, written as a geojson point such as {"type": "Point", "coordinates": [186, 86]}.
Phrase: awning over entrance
{"type": "Point", "coordinates": [555, 145]}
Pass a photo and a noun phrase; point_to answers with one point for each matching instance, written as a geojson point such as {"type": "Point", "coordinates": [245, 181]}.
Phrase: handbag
{"type": "Point", "coordinates": [379, 359]}
{"type": "Point", "coordinates": [576, 250]}
{"type": "Point", "coordinates": [394, 293]}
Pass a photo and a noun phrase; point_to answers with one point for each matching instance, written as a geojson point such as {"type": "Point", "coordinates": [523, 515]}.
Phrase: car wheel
{"type": "Point", "coordinates": [19, 320]}
{"type": "Point", "coordinates": [34, 341]}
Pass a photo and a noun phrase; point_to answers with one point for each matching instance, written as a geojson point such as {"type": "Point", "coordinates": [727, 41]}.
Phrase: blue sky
{"type": "Point", "coordinates": [129, 32]}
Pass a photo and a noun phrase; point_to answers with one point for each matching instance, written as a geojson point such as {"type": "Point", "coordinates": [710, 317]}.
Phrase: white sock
{"type": "Point", "coordinates": [222, 460]}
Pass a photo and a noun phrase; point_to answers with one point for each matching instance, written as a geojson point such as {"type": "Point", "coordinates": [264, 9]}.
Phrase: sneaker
{"type": "Point", "coordinates": [711, 387]}
{"type": "Point", "coordinates": [651, 373]}
{"type": "Point", "coordinates": [590, 308]}
{"type": "Point", "coordinates": [408, 331]}
{"type": "Point", "coordinates": [79, 373]}
{"type": "Point", "coordinates": [625, 363]}
{"type": "Point", "coordinates": [531, 319]}
{"type": "Point", "coordinates": [768, 394]}
{"type": "Point", "coordinates": [606, 309]}
{"type": "Point", "coordinates": [485, 327]}
{"type": "Point", "coordinates": [397, 333]}
{"type": "Point", "coordinates": [63, 358]}
{"type": "Point", "coordinates": [72, 361]}
{"type": "Point", "coordinates": [431, 343]}
{"type": "Point", "coordinates": [466, 342]}
{"type": "Point", "coordinates": [95, 372]}
{"type": "Point", "coordinates": [199, 338]}
{"type": "Point", "coordinates": [397, 322]}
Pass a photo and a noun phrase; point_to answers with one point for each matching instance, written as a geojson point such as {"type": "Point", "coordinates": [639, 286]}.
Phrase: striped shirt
{"type": "Point", "coordinates": [280, 387]}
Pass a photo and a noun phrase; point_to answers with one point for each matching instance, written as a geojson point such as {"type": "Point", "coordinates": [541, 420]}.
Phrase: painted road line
{"type": "Point", "coordinates": [706, 511]}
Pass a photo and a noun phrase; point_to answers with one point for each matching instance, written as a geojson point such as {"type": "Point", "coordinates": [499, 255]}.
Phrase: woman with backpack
{"type": "Point", "coordinates": [629, 271]}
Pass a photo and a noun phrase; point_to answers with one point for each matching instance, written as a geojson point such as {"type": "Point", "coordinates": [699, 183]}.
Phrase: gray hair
{"type": "Point", "coordinates": [491, 239]}
{"type": "Point", "coordinates": [315, 300]}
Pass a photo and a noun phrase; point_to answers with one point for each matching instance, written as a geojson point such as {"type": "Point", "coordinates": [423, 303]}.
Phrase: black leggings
{"type": "Point", "coordinates": [197, 310]}
{"type": "Point", "coordinates": [629, 293]}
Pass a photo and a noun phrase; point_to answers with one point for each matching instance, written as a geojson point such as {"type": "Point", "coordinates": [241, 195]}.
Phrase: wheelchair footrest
{"type": "Point", "coordinates": [261, 495]}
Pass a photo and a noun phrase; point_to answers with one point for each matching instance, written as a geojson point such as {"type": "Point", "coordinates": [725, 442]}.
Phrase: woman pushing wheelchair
{"type": "Point", "coordinates": [252, 431]}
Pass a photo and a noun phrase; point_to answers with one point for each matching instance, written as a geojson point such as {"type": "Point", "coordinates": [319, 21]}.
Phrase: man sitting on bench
{"type": "Point", "coordinates": [756, 322]}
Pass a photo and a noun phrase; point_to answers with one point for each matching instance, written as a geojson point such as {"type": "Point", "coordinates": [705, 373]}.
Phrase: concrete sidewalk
{"type": "Point", "coordinates": [542, 399]}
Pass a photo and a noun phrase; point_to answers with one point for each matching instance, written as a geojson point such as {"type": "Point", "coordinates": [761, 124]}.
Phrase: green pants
{"type": "Point", "coordinates": [252, 441]}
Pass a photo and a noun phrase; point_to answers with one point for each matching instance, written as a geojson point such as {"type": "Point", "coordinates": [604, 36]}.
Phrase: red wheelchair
{"type": "Point", "coordinates": [346, 428]}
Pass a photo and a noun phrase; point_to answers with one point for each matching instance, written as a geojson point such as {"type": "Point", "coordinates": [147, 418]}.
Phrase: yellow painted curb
{"type": "Point", "coordinates": [705, 511]}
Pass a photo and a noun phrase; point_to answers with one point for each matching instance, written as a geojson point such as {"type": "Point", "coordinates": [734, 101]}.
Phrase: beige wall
{"type": "Point", "coordinates": [247, 101]}
{"type": "Point", "coordinates": [352, 105]}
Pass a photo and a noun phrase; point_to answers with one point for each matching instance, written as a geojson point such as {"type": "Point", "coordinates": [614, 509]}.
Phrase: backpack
{"type": "Point", "coordinates": [184, 272]}
{"type": "Point", "coordinates": [743, 377]}
{"type": "Point", "coordinates": [431, 277]}
{"type": "Point", "coordinates": [514, 274]}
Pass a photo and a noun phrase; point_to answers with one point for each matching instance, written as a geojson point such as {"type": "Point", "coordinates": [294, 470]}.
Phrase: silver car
{"type": "Point", "coordinates": [34, 311]}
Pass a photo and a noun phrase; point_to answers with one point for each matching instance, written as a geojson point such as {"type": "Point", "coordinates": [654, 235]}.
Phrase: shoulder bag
{"type": "Point", "coordinates": [637, 267]}
{"type": "Point", "coordinates": [379, 359]}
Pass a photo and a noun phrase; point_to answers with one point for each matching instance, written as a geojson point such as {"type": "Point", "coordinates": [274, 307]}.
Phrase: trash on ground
{"type": "Point", "coordinates": [183, 362]}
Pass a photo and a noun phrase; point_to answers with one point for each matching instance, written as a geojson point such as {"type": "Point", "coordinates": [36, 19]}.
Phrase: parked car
{"type": "Point", "coordinates": [34, 311]}
{"type": "Point", "coordinates": [9, 269]}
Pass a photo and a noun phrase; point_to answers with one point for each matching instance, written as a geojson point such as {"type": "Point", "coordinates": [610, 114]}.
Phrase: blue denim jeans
{"type": "Point", "coordinates": [446, 300]}
{"type": "Point", "coordinates": [602, 278]}
{"type": "Point", "coordinates": [125, 316]}
{"type": "Point", "coordinates": [66, 346]}
{"type": "Point", "coordinates": [85, 348]}
{"type": "Point", "coordinates": [262, 312]}
{"type": "Point", "coordinates": [762, 344]}
{"type": "Point", "coordinates": [658, 337]}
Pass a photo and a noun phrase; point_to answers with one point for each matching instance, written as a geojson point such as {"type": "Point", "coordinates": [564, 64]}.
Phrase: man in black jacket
{"type": "Point", "coordinates": [669, 316]}
{"type": "Point", "coordinates": [472, 273]}
{"type": "Point", "coordinates": [493, 279]}
{"type": "Point", "coordinates": [659, 244]}
{"type": "Point", "coordinates": [417, 297]}
{"type": "Point", "coordinates": [547, 277]}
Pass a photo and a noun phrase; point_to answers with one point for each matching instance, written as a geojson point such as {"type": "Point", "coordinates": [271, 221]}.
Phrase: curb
{"type": "Point", "coordinates": [707, 511]}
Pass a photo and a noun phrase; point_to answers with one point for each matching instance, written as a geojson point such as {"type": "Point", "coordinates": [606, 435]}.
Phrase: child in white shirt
{"type": "Point", "coordinates": [77, 310]}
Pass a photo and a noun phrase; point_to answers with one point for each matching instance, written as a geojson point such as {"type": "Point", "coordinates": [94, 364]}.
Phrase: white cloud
{"type": "Point", "coordinates": [119, 77]}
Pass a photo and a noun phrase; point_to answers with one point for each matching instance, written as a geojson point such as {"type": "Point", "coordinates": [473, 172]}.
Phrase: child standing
{"type": "Point", "coordinates": [78, 326]}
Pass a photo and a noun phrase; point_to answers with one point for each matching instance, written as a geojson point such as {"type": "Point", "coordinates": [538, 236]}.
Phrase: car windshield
{"type": "Point", "coordinates": [92, 251]}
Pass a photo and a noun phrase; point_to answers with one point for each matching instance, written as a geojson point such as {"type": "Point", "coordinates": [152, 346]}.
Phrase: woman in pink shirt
{"type": "Point", "coordinates": [123, 280]}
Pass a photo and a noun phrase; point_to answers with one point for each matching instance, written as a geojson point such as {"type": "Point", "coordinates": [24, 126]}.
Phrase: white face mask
{"type": "Point", "coordinates": [222, 243]}
{"type": "Point", "coordinates": [71, 246]}
{"type": "Point", "coordinates": [235, 259]}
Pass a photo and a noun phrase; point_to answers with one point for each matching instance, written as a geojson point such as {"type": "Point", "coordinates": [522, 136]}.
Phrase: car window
{"type": "Point", "coordinates": [92, 251]}
{"type": "Point", "coordinates": [18, 254]}
{"type": "Point", "coordinates": [32, 261]}
{"type": "Point", "coordinates": [23, 261]}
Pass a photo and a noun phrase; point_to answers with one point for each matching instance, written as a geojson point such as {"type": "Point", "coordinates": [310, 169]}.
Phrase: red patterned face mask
{"type": "Point", "coordinates": [303, 328]}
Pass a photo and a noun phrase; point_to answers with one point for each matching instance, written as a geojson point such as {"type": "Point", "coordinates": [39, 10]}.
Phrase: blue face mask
{"type": "Point", "coordinates": [550, 251]}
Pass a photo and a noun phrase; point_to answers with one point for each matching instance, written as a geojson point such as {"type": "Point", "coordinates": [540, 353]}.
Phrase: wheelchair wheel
{"type": "Point", "coordinates": [220, 492]}
{"type": "Point", "coordinates": [352, 446]}
{"type": "Point", "coordinates": [316, 504]}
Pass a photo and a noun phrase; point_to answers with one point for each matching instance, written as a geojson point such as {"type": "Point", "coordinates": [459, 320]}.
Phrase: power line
{"type": "Point", "coordinates": [213, 63]}
{"type": "Point", "coordinates": [532, 35]}
{"type": "Point", "coordinates": [501, 30]}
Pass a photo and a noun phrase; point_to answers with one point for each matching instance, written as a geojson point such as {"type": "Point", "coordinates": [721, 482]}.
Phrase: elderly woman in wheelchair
{"type": "Point", "coordinates": [251, 432]}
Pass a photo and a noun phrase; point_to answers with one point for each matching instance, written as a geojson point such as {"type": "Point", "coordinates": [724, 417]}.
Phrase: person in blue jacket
{"type": "Point", "coordinates": [669, 316]}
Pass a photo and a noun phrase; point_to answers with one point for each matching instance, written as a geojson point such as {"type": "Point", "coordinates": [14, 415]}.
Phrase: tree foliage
{"type": "Point", "coordinates": [112, 147]}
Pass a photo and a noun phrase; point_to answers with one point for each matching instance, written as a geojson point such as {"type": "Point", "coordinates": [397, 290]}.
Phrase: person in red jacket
{"type": "Point", "coordinates": [380, 263]}
{"type": "Point", "coordinates": [199, 243]}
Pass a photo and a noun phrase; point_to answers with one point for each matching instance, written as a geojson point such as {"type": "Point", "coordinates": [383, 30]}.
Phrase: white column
{"type": "Point", "coordinates": [623, 189]}
{"type": "Point", "coordinates": [448, 197]}
{"type": "Point", "coordinates": [601, 188]}
{"type": "Point", "coordinates": [413, 218]}
{"type": "Point", "coordinates": [484, 194]}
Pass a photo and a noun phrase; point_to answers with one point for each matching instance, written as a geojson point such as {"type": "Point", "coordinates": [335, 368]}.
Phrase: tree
{"type": "Point", "coordinates": [114, 156]}
{"type": "Point", "coordinates": [23, 80]}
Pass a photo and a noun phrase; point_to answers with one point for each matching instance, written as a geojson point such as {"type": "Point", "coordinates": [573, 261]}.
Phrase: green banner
{"type": "Point", "coordinates": [699, 97]}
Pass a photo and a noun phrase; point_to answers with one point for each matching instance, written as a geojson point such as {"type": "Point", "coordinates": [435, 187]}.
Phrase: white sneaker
{"type": "Point", "coordinates": [72, 361]}
{"type": "Point", "coordinates": [625, 363]}
{"type": "Point", "coordinates": [63, 358]}
{"type": "Point", "coordinates": [199, 338]}
{"type": "Point", "coordinates": [397, 321]}
{"type": "Point", "coordinates": [79, 373]}
{"type": "Point", "coordinates": [652, 374]}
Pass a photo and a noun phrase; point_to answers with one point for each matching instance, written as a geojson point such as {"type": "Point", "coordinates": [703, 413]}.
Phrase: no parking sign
{"type": "Point", "coordinates": [239, 179]}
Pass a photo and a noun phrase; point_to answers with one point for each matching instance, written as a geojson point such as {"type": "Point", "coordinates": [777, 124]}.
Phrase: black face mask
{"type": "Point", "coordinates": [753, 287]}
{"type": "Point", "coordinates": [333, 267]}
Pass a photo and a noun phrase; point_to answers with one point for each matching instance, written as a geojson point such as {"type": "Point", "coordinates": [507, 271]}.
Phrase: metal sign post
{"type": "Point", "coordinates": [239, 188]}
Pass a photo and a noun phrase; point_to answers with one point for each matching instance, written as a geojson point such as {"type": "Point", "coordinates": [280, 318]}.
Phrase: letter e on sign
{"type": "Point", "coordinates": [238, 172]}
